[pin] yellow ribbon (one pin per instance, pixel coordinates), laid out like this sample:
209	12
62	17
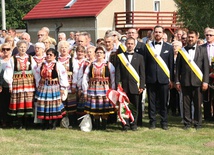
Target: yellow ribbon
130	68
122	47
159	60
191	64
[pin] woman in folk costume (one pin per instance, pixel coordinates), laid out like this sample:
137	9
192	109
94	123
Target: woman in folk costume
51	81
98	78
66	60
19	76
39	57
79	65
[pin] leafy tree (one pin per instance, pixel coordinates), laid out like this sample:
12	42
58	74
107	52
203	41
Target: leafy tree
196	14
15	10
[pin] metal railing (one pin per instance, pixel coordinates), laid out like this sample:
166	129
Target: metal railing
146	20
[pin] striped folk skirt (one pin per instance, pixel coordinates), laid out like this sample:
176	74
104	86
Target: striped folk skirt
22	96
49	103
97	102
70	103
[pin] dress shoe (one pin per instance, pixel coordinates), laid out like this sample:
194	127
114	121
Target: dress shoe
126	128
165	127
197	127
134	128
186	127
152	127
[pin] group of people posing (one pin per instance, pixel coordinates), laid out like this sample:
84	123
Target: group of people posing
74	79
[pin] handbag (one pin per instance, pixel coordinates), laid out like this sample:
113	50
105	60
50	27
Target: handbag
64	122
86	124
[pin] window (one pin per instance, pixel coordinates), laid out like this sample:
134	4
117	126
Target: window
157	6
70	4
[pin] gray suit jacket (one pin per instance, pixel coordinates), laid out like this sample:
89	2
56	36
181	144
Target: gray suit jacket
185	75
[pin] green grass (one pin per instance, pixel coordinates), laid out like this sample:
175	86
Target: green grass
113	141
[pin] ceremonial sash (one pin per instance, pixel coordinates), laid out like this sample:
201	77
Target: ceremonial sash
158	59
129	68
122	48
191	63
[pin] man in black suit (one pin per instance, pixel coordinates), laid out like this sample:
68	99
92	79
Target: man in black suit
132	86
207	95
192	81
139	48
158	78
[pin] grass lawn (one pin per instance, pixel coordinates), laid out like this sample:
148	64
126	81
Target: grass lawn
113	141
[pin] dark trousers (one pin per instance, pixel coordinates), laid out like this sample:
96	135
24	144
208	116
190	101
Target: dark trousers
174	103
4	106
208	104
134	99
158	93
192	94
140	113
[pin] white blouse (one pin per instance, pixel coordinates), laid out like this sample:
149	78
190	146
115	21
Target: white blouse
9	71
62	75
86	76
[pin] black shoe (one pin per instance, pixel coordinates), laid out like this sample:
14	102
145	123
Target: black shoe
197	127
133	127
126	128
186	127
152	127
165	127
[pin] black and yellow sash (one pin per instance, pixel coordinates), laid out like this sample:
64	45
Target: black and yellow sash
191	63
129	68
158	59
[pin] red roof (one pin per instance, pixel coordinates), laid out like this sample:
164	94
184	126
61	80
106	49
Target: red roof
47	9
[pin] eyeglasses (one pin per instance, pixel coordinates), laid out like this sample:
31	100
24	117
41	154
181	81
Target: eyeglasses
209	35
5	49
183	38
49	54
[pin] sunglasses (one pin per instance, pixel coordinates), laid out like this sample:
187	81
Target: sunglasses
209	35
5	49
50	54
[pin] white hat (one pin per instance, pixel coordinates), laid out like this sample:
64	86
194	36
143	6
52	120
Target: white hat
40	44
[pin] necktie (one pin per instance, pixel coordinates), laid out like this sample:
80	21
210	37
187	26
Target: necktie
157	43
191	48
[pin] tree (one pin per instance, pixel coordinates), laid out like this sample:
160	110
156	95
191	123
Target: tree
16	10
196	14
